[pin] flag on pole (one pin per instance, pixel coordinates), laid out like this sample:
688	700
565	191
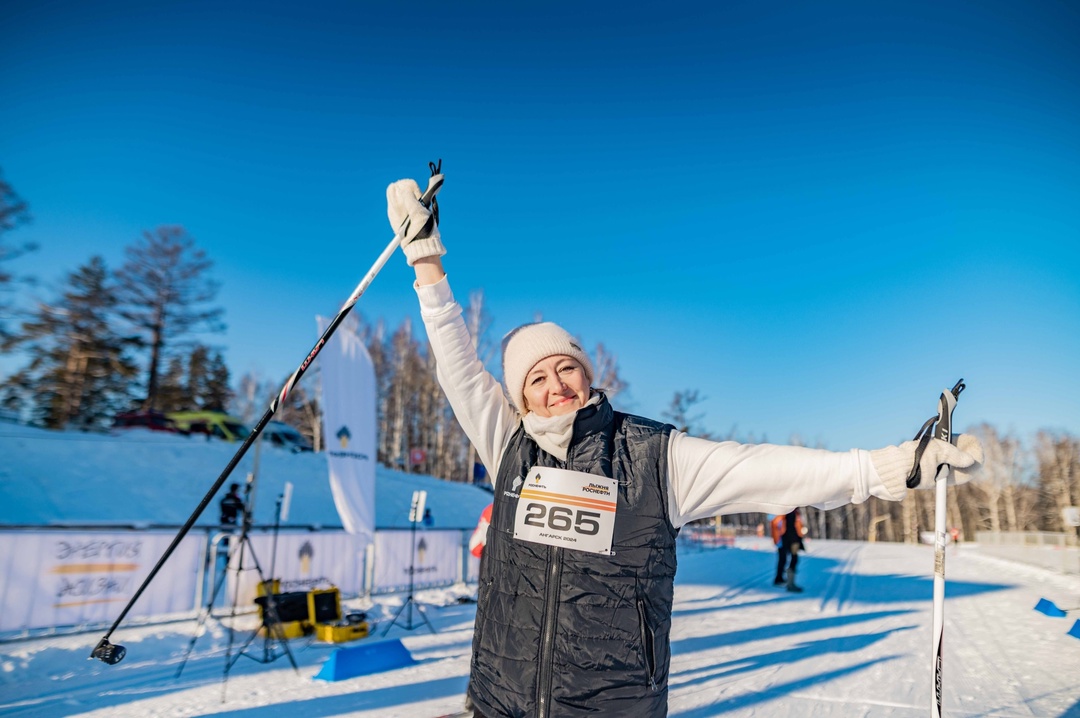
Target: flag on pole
348	403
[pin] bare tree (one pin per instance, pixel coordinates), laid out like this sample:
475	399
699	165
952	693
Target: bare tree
252	397
679	413
990	503
478	321
301	410
607	376
164	292
1059	477
400	401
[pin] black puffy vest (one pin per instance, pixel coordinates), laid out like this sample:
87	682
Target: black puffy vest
562	633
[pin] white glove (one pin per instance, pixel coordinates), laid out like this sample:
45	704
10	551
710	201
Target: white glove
412	221
893	463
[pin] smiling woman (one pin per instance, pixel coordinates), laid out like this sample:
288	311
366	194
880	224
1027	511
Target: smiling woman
580	552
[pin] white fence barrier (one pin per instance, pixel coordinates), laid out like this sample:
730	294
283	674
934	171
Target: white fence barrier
1055	551
52	578
63	578
434	558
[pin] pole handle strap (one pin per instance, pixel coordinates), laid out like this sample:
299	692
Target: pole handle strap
923	435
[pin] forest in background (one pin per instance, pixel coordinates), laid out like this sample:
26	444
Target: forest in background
133	338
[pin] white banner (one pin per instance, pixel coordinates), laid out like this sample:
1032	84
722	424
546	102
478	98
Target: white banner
300	561
348	401
434	560
69	578
472	569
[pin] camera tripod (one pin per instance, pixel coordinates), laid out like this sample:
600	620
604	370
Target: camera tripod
417	502
274	636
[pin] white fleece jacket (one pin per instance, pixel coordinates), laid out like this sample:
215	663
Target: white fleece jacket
705	478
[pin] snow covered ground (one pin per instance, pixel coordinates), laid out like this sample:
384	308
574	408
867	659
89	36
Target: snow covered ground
855	643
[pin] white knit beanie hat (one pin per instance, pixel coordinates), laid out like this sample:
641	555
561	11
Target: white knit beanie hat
523	347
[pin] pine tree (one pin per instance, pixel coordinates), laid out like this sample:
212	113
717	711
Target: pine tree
214	392
13	212
164	292
172	395
197	368
79	371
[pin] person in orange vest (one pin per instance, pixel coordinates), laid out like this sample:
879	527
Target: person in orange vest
787	534
479	535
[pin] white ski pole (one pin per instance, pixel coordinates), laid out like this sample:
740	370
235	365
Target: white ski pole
114	653
943	431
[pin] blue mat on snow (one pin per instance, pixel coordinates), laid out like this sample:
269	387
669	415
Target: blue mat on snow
1049	608
368	658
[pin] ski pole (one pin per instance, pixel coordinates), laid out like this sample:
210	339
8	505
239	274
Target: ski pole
943	431
114	653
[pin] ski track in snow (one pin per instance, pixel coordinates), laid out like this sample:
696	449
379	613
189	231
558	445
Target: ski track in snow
857	642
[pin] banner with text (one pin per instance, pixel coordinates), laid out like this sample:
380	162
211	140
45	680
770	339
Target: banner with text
348	402
71	578
300	561
434	559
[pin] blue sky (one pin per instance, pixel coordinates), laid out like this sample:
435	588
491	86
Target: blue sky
818	215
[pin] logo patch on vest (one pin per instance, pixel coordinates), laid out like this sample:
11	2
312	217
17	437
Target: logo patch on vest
564	508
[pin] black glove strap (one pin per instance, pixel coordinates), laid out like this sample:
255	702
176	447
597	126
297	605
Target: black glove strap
435	169
923	436
432	204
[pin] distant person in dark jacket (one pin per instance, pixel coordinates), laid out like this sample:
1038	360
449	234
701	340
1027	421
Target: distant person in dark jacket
232	505
787	533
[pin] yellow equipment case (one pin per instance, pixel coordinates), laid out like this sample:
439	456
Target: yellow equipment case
317	611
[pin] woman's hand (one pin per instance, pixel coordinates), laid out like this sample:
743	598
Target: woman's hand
894	462
413	222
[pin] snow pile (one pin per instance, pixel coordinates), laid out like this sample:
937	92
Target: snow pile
137	476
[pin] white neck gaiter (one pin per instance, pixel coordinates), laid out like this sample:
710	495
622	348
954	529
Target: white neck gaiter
553	433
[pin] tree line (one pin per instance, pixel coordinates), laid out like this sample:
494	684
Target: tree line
1024	486
124	339
416	428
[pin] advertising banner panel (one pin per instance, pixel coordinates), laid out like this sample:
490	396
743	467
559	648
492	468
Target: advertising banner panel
70	578
300	561
434	559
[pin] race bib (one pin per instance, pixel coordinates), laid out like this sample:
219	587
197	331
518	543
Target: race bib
567	508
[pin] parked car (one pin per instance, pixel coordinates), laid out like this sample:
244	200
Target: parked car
280	434
153	420
210	423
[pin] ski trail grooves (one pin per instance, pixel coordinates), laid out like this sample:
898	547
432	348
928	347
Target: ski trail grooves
841	582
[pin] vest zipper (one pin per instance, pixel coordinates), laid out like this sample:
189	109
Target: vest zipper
551	612
647	645
547	634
